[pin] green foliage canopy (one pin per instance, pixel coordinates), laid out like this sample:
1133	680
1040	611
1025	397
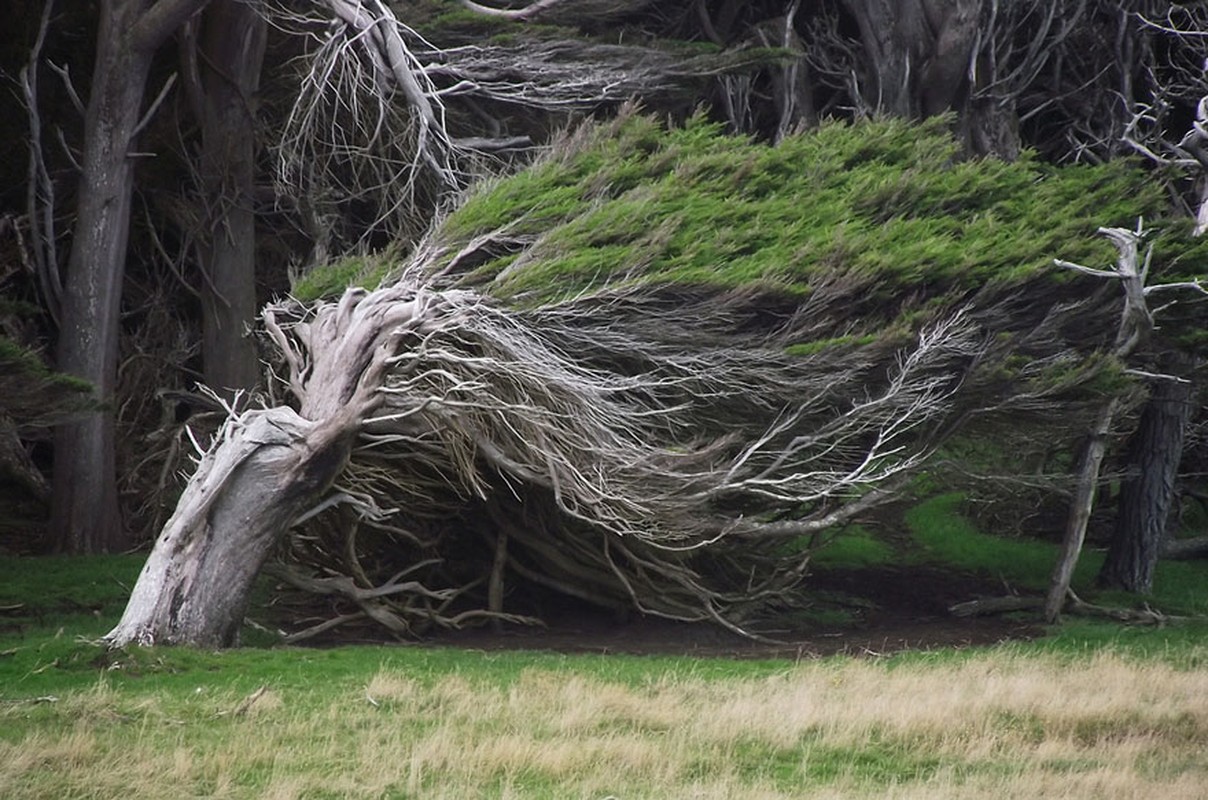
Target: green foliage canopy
885	203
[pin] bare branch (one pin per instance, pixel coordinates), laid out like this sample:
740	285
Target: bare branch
68	84
155	104
531	10
40	193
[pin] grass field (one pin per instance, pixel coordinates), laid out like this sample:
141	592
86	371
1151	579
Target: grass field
1093	710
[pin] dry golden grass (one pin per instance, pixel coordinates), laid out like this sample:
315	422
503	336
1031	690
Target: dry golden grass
998	725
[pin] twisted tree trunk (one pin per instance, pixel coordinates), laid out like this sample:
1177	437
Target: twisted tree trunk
266	469
263	471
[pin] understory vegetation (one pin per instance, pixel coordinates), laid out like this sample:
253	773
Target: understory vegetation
1090	709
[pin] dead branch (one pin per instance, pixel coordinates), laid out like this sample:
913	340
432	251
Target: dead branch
1073	605
40	194
1136	323
1179	549
560	11
529	11
347	136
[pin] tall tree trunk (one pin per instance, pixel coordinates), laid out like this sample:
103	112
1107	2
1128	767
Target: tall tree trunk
85	517
231	46
1146	495
917	53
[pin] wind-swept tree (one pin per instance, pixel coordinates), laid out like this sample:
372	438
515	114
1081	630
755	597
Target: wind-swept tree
656	416
369	52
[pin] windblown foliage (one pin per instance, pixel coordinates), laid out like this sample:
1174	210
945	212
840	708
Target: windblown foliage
652	370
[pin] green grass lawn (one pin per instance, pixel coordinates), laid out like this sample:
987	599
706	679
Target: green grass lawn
1091	710
944	536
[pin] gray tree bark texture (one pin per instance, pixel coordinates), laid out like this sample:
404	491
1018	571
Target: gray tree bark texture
265	468
258	478
231	46
1081	506
1146	496
85	517
918	51
451	401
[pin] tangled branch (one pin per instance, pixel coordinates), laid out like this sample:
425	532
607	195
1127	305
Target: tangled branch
590	453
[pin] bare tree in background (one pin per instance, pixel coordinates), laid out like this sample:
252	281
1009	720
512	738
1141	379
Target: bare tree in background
1136	326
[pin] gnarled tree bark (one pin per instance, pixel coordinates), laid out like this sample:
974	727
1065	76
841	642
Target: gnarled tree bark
265	469
268	467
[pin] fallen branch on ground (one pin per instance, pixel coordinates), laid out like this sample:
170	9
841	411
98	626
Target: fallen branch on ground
1073	605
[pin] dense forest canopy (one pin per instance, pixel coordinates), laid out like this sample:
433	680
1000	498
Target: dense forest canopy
810	195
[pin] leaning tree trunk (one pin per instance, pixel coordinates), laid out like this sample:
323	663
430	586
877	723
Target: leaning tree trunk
1146	496
1136	323
263	471
85	516
1081	506
266	469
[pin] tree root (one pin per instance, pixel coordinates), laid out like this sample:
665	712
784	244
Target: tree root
1181	549
1073	605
